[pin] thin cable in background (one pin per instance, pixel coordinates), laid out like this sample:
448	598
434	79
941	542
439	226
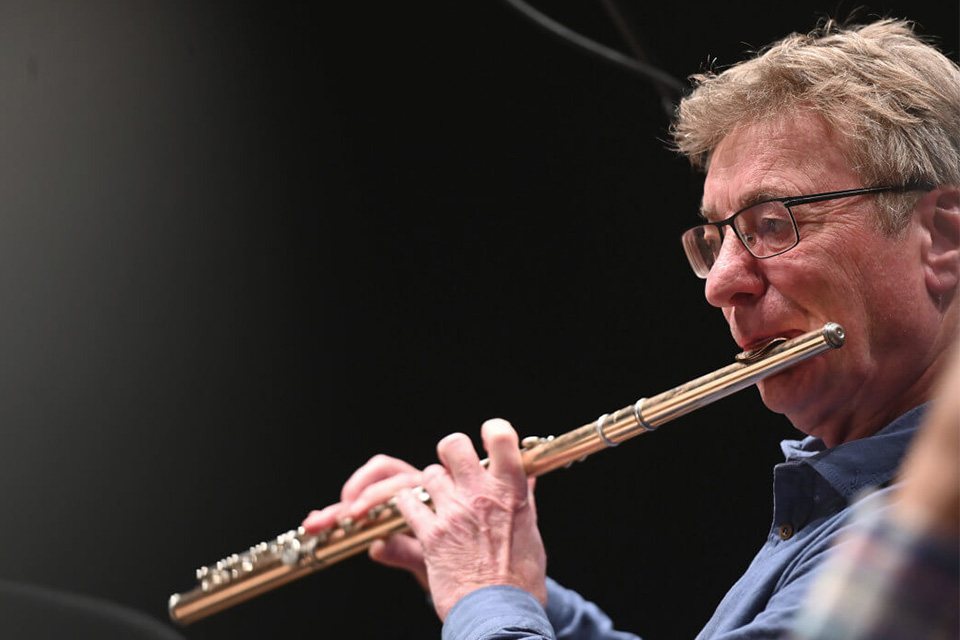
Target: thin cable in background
669	88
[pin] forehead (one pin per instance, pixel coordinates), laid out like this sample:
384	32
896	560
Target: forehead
789	155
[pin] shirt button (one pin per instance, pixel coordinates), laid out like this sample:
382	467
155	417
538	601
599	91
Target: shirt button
786	531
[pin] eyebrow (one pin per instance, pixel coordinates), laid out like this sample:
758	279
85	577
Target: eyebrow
749	199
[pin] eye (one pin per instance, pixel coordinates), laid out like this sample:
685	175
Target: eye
773	226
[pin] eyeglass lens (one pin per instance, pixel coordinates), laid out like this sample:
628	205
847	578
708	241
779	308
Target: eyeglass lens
766	229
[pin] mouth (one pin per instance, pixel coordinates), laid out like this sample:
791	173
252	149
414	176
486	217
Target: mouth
752	355
757	348
759	342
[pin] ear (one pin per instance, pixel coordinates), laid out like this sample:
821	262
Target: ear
939	215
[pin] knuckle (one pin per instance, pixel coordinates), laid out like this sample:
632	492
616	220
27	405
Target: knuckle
433	472
431	536
378	460
486	504
432	475
367	496
500	497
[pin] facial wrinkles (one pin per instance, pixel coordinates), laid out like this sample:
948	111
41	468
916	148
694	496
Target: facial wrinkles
861	272
819	290
759	172
827	229
842	267
775	160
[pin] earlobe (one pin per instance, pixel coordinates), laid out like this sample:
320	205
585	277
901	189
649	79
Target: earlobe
940	217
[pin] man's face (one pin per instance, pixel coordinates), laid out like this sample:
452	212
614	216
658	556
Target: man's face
844	270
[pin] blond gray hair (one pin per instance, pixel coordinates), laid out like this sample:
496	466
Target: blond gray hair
894	98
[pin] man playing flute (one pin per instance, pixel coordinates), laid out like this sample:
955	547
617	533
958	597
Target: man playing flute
832	193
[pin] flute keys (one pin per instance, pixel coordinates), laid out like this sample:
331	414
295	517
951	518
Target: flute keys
288	546
290	553
534	441
307	547
377	511
388	508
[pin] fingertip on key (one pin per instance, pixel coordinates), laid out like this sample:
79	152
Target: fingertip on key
310	523
320	519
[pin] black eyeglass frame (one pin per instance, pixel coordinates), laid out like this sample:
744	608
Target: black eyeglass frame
789	201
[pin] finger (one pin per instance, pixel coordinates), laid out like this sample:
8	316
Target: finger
378	468
402	552
380	492
502	444
325	518
531	487
457	454
439	485
418	515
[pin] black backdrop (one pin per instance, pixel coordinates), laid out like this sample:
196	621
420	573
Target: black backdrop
246	245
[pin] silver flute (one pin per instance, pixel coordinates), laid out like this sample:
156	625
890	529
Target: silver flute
294	554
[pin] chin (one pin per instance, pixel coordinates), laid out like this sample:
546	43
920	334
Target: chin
795	396
772	399
783	393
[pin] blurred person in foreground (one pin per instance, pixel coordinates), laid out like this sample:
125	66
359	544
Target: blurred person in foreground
896	571
832	194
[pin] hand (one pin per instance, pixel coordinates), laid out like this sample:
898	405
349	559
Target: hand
380	479
484	531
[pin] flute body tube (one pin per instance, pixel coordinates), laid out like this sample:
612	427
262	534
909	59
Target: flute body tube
295	553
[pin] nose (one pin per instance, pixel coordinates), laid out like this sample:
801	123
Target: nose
735	277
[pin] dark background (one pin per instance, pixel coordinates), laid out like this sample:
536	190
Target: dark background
246	245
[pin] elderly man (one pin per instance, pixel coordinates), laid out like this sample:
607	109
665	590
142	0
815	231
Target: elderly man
832	194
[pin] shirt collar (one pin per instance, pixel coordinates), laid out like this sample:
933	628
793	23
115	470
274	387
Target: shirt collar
867	462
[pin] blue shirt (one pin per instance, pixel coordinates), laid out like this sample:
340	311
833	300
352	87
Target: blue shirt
892	578
813	491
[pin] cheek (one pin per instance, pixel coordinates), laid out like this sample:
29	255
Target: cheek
815	292
820	277
883	285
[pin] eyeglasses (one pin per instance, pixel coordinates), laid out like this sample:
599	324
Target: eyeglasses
765	229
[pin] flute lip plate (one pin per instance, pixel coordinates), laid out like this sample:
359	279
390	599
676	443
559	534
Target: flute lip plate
746	357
